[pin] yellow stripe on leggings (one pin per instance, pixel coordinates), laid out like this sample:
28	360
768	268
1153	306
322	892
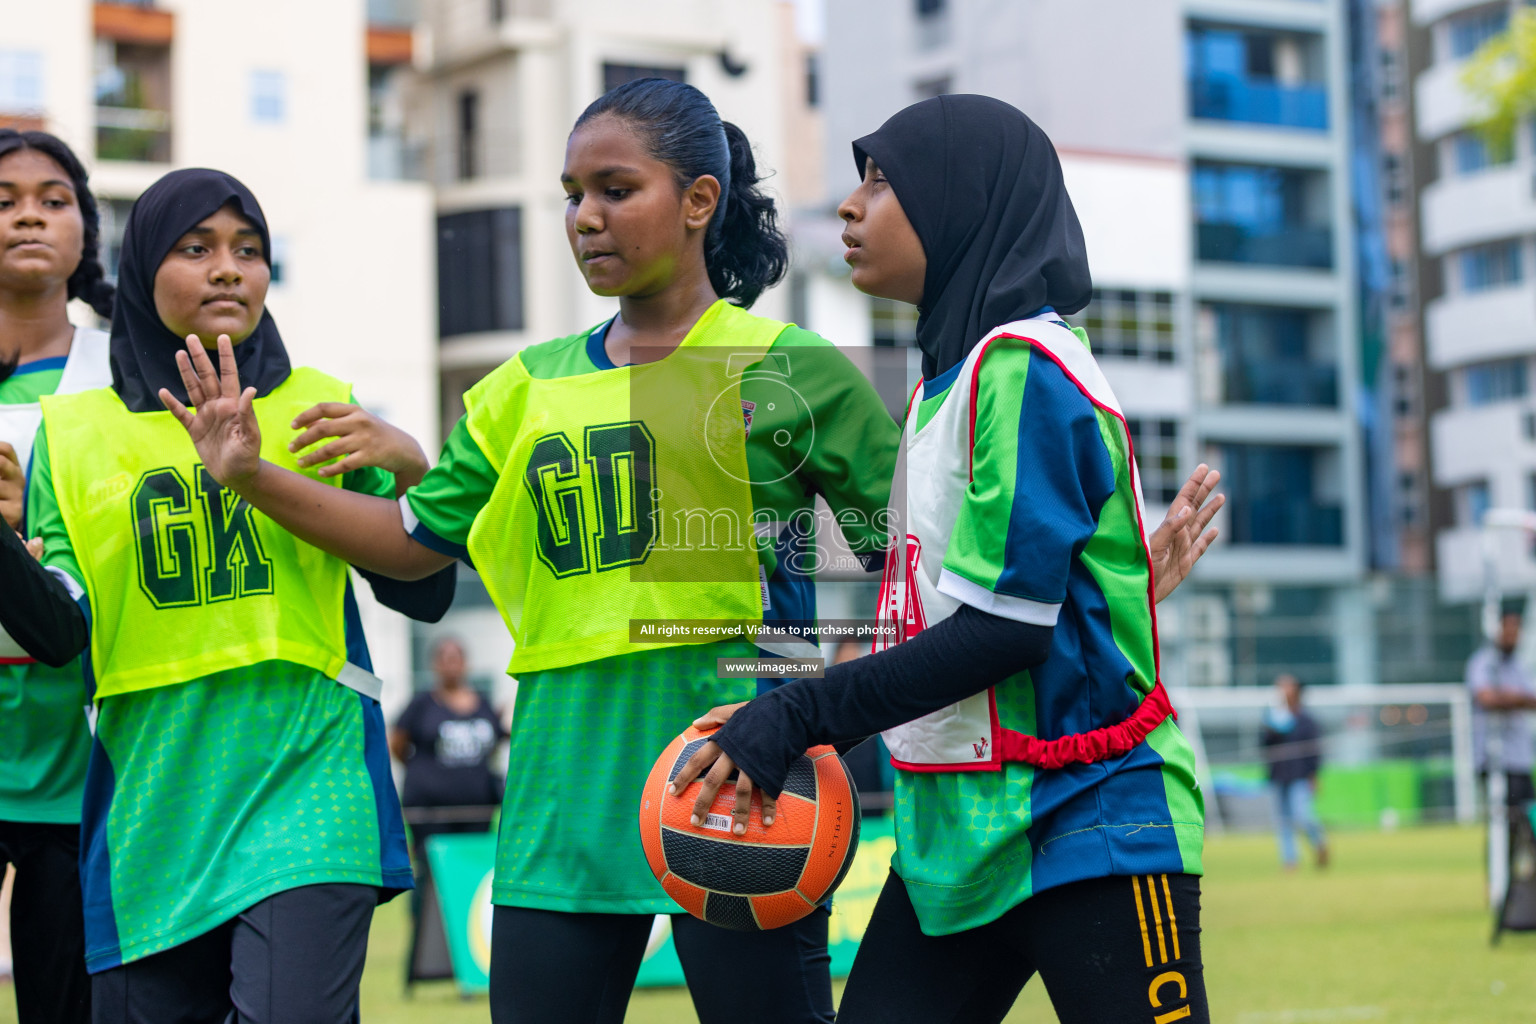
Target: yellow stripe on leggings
1141	915
1157	917
1173	922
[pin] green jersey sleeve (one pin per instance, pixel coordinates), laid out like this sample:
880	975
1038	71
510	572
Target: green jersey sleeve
45	520
441	509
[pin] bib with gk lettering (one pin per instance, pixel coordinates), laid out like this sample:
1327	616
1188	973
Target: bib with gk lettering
185	578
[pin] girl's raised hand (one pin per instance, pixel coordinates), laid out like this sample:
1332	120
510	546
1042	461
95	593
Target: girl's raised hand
1178	543
224	427
361	439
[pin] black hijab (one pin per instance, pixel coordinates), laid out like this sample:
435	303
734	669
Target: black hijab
143	348
981	184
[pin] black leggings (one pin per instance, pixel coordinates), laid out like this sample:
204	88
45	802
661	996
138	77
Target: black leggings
580	968
293	958
1110	949
47	923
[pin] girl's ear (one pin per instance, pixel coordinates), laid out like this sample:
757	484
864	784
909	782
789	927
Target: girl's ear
700	200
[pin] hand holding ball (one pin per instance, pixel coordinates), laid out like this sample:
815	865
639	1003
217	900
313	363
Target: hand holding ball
768	877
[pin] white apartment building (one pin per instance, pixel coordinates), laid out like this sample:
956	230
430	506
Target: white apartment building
1477	219
279	97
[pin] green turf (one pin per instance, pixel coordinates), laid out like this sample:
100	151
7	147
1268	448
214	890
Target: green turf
1393	932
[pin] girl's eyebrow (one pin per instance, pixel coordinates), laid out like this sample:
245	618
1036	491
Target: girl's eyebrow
606	172
50	183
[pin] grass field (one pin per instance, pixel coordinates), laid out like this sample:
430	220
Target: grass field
1394	932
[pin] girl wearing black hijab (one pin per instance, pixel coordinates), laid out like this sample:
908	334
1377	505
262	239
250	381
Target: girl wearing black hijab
240	822
1047	814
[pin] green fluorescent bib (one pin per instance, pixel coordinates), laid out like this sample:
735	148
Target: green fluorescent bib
184	578
623	495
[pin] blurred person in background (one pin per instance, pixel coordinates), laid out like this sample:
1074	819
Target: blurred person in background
1501	691
1291	747
446	738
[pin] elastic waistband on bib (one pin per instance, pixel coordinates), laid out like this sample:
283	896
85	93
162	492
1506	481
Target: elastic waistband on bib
1088	747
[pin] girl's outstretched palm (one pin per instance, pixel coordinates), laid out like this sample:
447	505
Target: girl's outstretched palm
224	426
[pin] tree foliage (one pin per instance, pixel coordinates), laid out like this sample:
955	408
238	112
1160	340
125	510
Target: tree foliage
1501	76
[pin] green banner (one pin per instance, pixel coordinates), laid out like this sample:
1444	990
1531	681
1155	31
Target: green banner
462	867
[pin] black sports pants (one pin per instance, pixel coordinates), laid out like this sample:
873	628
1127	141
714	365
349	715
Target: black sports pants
1125	950
580	968
294	958
47	923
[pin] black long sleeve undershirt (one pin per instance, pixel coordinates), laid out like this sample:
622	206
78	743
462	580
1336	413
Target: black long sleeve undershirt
425	600
962	655
36	608
39	613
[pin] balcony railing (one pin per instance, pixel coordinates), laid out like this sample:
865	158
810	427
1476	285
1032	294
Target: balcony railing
1279	247
1227	98
1280	382
133	133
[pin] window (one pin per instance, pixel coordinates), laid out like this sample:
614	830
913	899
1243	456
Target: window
894	323
1495	382
1401	295
615	75
480	271
1156	443
1391	71
1472	503
1471	152
469	134
1494	265
1252	213
929	8
498	11
1256	76
1266	355
21	82
114	218
1404	392
269	97
1283	494
1129	324
277	259
133	101
812	79
1467	32
1393	179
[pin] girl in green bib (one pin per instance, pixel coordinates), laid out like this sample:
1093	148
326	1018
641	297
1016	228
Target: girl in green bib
240	822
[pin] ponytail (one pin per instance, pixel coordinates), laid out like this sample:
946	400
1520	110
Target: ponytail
745	250
89	281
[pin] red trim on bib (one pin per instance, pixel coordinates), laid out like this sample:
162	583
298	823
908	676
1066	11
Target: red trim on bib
1088	747
18	661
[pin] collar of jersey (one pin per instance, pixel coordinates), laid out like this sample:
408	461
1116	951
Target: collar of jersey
41	365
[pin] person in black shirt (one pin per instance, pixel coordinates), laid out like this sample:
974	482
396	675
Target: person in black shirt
446	738
1291	747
